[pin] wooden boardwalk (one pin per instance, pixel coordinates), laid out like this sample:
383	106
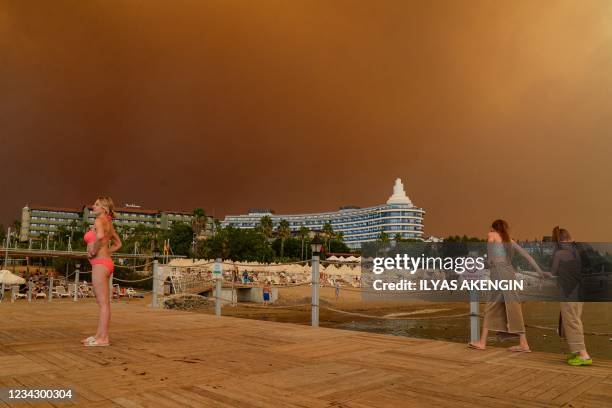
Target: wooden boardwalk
162	358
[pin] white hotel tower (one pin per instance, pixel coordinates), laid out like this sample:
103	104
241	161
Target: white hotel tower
358	225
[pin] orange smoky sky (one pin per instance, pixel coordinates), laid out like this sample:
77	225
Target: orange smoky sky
485	109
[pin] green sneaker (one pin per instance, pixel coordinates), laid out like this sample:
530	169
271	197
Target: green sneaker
570	355
577	361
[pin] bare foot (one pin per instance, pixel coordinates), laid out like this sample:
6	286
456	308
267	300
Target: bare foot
476	346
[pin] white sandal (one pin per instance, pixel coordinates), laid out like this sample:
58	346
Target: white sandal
94	343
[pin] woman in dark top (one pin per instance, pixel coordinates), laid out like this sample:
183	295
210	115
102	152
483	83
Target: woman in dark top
566	266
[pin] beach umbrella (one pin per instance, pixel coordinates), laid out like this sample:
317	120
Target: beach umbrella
9	278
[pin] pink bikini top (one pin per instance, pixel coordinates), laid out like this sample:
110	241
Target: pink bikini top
90	236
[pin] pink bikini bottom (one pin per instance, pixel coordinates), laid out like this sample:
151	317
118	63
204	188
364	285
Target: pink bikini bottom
108	262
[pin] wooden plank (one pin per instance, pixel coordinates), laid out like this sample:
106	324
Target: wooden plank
177	358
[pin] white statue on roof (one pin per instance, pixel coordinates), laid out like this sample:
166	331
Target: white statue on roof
399	195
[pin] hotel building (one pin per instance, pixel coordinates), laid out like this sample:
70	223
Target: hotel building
40	220
358	225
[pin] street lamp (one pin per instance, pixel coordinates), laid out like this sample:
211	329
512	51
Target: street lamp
315	245
193	248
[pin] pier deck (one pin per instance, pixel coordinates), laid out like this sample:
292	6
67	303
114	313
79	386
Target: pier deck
163	358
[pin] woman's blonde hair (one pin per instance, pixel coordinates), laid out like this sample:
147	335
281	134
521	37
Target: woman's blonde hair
108	204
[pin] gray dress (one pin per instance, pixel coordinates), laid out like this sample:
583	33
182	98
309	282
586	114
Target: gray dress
503	312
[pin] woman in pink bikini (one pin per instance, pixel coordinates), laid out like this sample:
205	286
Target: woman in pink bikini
99	252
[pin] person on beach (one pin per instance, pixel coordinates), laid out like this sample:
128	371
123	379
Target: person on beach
102	240
567	267
503	313
266	293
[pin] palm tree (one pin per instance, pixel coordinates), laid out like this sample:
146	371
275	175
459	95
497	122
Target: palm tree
328	231
383	237
216	226
198	222
398	237
266	226
336	237
284	232
303	233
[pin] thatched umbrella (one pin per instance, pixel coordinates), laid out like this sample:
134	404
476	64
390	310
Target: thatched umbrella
9	278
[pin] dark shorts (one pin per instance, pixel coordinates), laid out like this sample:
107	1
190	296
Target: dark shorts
266	296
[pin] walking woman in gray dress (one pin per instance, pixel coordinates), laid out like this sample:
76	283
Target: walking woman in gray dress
504	313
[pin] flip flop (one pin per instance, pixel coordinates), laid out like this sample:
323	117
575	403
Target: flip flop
89	339
95	343
518	349
474	347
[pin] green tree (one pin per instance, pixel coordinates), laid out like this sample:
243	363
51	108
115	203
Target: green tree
284	232
398	237
303	232
181	237
328	232
216	226
238	245
62	235
383	237
337	245
198	222
266	226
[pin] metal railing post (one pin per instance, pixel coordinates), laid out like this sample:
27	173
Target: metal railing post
76	284
30	283
218	274
50	288
14	291
6	248
315	291
474	322
218	283
155	284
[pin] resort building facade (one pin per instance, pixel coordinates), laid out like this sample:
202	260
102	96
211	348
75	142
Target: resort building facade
358	225
44	220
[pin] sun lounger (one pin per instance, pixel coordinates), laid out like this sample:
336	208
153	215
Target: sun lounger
60	292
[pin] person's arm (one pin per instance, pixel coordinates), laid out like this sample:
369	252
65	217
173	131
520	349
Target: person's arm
529	259
116	240
99	236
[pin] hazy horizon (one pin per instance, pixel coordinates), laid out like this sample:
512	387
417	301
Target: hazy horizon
484	109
